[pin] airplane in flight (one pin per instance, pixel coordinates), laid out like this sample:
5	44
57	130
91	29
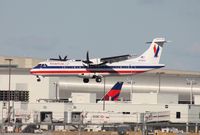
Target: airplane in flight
100	67
113	93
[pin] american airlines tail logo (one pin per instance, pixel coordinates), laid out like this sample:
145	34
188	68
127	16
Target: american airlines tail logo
156	50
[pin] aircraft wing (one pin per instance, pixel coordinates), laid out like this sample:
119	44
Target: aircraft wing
115	58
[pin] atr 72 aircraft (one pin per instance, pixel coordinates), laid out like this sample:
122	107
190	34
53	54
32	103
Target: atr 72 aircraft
99	67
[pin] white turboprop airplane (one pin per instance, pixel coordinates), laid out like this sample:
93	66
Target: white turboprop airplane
100	67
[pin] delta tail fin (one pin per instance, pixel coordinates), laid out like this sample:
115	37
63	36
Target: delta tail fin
153	53
114	93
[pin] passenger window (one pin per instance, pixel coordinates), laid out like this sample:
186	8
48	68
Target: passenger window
178	115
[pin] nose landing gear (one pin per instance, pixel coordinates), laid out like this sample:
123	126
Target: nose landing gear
38	78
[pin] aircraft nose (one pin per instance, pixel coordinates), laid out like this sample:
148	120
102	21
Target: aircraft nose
32	71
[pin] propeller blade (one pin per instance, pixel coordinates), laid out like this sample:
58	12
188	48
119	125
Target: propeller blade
87	61
65	58
87	57
60	58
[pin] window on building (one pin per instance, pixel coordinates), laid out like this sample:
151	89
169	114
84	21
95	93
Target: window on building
126	112
178	115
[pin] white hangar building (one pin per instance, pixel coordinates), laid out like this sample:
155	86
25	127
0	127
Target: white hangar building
156	81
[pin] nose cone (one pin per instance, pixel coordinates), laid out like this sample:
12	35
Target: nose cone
32	71
35	69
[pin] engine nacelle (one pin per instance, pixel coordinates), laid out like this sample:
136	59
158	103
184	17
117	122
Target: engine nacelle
96	61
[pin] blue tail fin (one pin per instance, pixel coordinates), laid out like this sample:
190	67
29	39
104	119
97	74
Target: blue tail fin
113	94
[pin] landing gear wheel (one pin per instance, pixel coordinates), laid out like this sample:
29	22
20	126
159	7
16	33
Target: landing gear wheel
38	78
85	80
98	79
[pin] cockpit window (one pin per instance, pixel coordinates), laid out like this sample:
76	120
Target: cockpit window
41	65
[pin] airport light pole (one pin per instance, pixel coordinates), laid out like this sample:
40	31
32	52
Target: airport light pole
144	124
191	82
104	92
9	85
159	80
56	90
131	82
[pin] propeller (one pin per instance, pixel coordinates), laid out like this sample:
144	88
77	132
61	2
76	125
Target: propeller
87	61
60	58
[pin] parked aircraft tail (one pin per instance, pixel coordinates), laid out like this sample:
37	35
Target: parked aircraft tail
114	93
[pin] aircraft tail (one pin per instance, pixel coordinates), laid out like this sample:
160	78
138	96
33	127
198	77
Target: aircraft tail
153	53
114	93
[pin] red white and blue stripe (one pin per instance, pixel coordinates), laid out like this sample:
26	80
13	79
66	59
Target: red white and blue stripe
104	70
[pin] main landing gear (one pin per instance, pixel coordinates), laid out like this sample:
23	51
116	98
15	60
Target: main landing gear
86	80
97	78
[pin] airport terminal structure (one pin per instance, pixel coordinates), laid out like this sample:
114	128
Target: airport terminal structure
158	96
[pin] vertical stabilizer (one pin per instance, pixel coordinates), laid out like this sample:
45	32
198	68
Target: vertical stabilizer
114	93
153	53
